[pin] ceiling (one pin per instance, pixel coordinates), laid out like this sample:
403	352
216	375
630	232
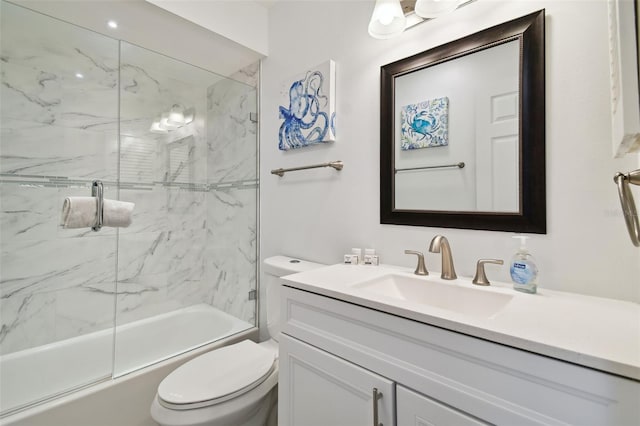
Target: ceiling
151	27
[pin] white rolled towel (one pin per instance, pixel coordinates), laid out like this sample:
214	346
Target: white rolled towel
117	213
80	212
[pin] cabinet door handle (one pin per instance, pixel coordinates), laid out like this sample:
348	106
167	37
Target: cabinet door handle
376	396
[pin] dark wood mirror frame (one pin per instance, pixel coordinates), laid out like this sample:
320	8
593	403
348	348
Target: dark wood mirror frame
531	218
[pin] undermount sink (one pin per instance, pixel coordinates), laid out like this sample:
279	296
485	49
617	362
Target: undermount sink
449	296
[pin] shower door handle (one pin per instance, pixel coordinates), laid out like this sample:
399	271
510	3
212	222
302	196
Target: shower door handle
628	205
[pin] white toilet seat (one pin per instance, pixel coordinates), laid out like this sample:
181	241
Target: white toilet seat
223	414
217	376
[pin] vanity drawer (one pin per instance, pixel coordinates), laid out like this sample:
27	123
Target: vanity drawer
493	382
419	410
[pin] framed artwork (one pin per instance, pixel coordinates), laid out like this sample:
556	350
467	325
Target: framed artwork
425	124
307	108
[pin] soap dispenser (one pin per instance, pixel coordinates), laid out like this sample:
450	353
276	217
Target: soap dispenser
524	272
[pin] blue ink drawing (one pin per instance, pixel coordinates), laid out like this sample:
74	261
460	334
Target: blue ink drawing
425	124
310	116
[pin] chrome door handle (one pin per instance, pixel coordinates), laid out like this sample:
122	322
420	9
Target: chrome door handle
376	396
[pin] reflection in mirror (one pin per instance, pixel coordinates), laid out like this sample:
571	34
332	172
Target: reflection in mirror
462	132
481	129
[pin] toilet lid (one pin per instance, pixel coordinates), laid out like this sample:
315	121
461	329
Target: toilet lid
217	375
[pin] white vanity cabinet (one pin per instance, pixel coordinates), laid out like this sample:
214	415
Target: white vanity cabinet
418	410
323	390
333	353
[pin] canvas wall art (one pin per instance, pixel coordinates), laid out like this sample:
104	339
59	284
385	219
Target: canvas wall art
425	124
307	108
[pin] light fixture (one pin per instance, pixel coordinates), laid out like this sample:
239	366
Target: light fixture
387	20
176	116
164	122
189	115
391	17
156	128
79	75
112	24
430	9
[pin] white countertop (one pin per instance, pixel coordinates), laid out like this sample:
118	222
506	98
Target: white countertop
591	331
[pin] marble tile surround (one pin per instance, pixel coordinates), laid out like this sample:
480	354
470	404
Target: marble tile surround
231	136
231	250
232	253
44	269
187	244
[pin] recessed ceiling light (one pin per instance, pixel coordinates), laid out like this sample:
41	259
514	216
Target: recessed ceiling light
79	75
112	24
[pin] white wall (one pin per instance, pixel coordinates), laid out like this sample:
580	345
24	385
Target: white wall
319	215
244	22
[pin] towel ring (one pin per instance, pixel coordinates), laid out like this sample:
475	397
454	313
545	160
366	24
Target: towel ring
97	191
628	205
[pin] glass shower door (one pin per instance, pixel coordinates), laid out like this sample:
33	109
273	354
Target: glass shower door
78	306
184	277
59	121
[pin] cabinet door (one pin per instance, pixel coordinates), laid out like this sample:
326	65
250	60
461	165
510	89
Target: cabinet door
317	388
418	410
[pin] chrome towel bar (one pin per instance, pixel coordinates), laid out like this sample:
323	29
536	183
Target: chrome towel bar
459	165
338	165
629	211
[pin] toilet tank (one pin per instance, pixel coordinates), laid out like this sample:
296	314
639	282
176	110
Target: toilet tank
275	268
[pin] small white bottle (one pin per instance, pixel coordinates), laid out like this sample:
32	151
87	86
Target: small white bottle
370	257
357	252
524	272
350	259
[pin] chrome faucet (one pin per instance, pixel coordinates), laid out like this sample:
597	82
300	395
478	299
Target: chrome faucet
441	244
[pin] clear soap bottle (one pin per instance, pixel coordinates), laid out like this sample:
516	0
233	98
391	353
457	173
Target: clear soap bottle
524	272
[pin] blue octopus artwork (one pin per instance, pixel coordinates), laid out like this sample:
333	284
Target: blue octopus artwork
310	117
425	124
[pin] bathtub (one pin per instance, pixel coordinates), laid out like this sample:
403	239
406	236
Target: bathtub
41	373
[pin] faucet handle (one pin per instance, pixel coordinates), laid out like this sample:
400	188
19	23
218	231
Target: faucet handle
481	276
421	269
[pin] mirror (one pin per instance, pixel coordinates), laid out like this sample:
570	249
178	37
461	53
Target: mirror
462	132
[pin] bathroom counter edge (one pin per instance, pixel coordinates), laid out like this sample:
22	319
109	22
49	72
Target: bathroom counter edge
598	333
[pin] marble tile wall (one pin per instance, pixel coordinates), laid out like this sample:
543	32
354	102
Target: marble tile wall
58	109
232	253
231	134
161	258
190	241
232	250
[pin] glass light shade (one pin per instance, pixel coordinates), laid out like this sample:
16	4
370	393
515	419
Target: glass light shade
429	9
176	116
189	115
155	127
387	20
164	122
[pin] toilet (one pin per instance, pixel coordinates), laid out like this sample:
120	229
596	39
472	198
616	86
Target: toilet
235	384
